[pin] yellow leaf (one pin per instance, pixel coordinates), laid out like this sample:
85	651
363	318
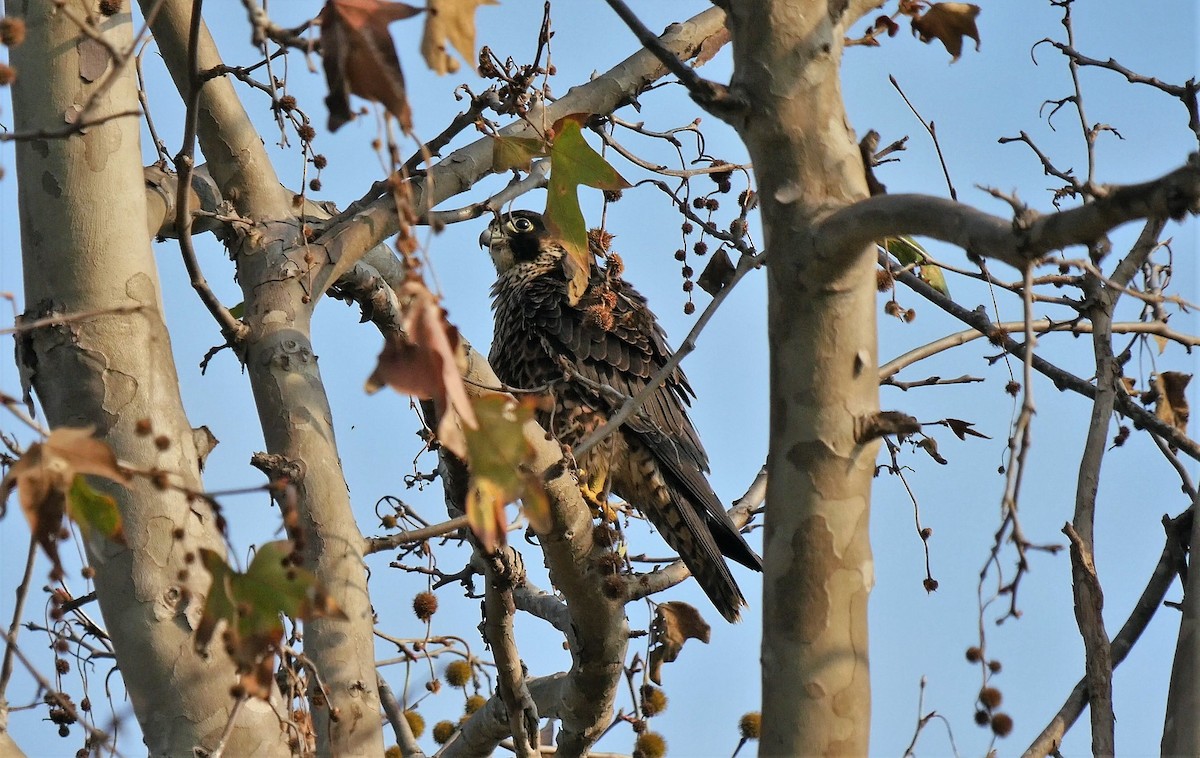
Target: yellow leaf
453	22
515	152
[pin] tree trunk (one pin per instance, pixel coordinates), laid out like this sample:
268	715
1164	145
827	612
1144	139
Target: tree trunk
86	251
1181	730
821	321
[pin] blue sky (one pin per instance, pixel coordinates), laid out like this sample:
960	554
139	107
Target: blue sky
992	93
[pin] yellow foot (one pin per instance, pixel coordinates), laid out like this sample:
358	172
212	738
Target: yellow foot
595	494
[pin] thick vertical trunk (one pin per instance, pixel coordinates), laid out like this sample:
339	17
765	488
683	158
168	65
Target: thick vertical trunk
277	270
821	316
85	251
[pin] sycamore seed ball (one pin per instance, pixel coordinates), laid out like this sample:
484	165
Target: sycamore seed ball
654	700
443	731
650	745
416	722
458	673
425	604
474	703
750	725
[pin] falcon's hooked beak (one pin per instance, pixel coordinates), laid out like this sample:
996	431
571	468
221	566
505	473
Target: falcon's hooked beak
489	235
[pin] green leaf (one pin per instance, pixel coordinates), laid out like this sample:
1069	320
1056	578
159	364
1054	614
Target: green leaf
94	511
239	310
499	456
573	162
909	252
252	605
516	152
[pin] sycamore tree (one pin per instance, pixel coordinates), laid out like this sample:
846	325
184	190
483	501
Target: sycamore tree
183	199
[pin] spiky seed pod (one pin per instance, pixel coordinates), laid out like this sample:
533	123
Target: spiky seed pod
474	703
425	604
12	31
990	697
416	722
650	745
654	700
750	725
1002	724
974	654
443	731
458	673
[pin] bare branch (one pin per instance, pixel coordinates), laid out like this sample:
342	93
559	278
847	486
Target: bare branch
712	97
1151	599
375	221
1172	196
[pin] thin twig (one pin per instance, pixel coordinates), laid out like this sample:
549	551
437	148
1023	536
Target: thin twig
231	328
929	127
714	98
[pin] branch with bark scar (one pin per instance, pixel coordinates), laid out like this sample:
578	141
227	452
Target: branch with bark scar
1040	327
379	544
1173	195
712	97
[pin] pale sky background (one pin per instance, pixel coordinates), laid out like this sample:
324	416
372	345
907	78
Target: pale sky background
992	93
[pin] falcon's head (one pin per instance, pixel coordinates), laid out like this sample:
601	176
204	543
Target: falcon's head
519	237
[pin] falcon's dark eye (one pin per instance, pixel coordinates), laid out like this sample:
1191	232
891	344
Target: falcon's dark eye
521	225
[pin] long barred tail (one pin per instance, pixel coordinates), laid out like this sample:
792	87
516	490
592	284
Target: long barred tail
687	533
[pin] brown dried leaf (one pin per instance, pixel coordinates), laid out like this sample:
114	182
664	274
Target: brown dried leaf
450	21
427	361
717	273
929	445
44	475
948	23
360	58
674	624
1172	399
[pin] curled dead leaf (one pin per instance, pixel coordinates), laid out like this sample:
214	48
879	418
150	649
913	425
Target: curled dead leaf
44	478
427	360
674	623
948	23
360	58
453	22
1171	398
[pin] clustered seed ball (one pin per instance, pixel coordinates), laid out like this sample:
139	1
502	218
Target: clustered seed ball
474	703
443	731
750	725
458	673
416	722
654	700
425	604
650	745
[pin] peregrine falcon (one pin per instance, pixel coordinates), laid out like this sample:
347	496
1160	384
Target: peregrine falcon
590	356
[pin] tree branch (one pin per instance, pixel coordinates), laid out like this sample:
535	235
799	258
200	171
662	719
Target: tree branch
712	97
1171	196
376	221
1063	380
